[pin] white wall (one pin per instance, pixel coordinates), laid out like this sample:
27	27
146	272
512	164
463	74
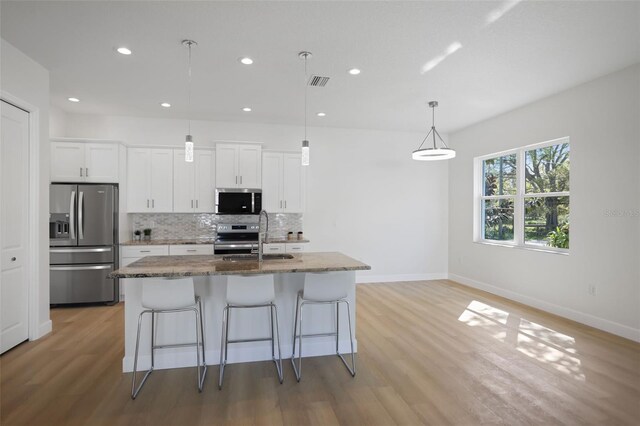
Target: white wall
602	118
380	207
57	122
28	81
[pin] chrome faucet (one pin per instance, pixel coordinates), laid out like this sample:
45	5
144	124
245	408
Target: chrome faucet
266	232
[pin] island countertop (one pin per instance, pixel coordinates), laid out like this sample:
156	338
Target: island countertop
202	265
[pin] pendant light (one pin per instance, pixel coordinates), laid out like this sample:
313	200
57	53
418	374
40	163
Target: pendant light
305	143
433	153
188	141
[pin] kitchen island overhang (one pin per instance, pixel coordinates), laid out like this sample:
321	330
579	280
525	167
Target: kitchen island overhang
210	277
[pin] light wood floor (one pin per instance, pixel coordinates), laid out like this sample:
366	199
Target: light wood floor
430	352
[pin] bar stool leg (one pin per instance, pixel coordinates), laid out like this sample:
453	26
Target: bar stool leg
274	309
199	319
352	369
223	344
297	369
134	390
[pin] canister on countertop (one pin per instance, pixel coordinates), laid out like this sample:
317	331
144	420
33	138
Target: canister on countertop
300	235
290	236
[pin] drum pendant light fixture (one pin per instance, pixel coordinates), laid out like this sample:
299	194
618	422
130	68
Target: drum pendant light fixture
433	153
305	143
188	141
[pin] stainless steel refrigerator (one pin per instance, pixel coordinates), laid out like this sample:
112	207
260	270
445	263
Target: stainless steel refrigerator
83	240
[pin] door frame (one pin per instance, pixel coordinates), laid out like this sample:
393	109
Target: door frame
35	329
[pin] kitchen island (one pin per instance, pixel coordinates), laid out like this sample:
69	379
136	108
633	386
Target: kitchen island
210	278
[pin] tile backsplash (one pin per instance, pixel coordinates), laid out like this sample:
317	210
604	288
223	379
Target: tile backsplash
204	225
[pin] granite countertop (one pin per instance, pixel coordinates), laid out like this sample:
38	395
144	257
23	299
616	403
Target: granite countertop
181	241
202	265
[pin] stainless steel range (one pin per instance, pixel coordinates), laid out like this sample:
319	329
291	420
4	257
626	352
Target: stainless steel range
237	238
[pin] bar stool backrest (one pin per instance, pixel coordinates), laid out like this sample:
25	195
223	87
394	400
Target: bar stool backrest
167	293
250	289
325	286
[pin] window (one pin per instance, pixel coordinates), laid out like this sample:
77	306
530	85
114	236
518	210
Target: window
523	196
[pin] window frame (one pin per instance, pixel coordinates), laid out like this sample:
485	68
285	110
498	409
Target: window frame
518	198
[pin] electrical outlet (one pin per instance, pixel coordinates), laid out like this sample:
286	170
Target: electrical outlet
592	289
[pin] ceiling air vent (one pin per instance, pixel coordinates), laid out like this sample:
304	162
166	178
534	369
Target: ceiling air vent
318	81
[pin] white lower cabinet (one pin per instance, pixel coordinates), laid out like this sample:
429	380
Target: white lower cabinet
274	248
188	249
295	248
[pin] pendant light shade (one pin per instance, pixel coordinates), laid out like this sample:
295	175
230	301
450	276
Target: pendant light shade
433	153
188	140
305	143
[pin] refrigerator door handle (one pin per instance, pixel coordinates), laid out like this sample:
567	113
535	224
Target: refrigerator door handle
72	215
79	268
80	218
76	250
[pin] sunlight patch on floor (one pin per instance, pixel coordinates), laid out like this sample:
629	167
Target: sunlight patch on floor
529	338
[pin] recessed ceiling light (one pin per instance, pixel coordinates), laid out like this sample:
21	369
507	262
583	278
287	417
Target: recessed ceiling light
165	105
354	71
246	109
124	51
74	99
246	60
321	114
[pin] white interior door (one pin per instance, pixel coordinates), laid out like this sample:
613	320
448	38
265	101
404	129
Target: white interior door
14	192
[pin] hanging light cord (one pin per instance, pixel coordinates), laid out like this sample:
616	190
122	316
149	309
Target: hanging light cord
189	91
434	131
305	97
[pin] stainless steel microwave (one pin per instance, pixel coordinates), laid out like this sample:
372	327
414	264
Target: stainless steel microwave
238	201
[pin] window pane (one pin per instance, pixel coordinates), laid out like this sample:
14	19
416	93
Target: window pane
547	169
499	175
546	221
498	219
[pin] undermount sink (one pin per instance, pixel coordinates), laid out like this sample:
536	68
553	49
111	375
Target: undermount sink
254	257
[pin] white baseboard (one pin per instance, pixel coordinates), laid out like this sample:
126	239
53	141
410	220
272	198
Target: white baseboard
581	317
186	357
363	279
45	328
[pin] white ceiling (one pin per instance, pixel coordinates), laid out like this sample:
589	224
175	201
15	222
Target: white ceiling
528	51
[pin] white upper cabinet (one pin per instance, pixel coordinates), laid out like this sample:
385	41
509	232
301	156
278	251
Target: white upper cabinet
272	182
293	183
238	166
149	180
205	185
194	182
183	183
84	162
101	162
283	183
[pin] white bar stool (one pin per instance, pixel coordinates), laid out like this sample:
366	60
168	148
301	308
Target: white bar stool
166	296
322	288
250	291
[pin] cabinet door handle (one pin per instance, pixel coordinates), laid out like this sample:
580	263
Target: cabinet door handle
192	250
145	251
285	204
153	203
147	203
280	203
236	180
86	172
240	180
13	259
80	171
196	204
191	203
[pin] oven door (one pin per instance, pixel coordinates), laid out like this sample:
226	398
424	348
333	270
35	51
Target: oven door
238	201
236	248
